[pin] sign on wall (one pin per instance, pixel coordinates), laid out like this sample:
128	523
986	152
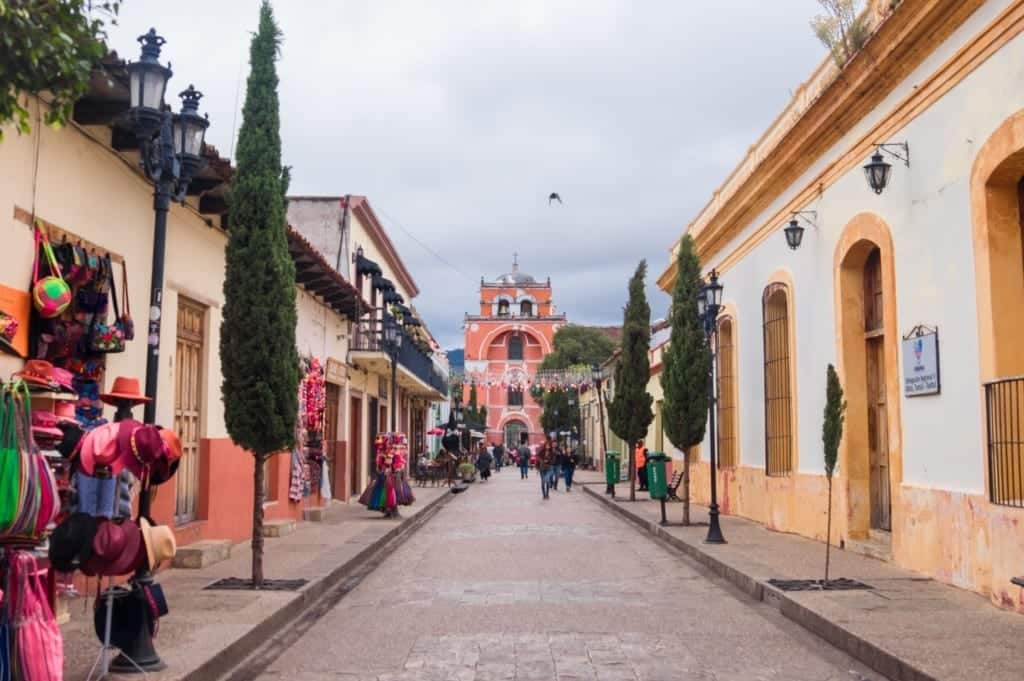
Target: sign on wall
335	372
921	362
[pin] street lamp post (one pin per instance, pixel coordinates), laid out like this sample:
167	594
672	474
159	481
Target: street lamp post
597	374
170	146
709	304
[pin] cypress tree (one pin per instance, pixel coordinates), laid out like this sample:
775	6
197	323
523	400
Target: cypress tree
686	366
630	410
831	435
259	360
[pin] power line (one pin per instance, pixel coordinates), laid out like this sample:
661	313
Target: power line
422	245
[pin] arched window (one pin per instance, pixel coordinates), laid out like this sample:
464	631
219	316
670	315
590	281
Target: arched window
526	308
515	397
515	347
503	308
778	389
728	435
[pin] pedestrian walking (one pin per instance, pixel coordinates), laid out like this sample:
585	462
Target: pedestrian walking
569	469
499	457
546	466
524	459
562	462
557	467
640	459
483	463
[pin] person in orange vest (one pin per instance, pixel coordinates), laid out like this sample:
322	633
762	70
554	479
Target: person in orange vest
640	458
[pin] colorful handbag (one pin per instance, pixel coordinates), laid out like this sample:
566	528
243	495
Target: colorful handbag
127	325
108	338
36	640
10	461
51	294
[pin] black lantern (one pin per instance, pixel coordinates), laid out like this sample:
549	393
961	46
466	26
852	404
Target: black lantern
596	374
879	170
392	333
702	303
189	131
794	234
148	83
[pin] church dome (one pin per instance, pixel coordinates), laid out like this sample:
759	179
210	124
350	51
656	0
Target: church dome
515	276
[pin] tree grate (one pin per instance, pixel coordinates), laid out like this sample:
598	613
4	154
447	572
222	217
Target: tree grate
841	584
240	584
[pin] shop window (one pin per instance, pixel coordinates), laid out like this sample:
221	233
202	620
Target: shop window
515	397
727	415
526	308
515	347
778	416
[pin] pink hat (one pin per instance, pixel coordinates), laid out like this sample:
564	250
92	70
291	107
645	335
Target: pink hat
139	446
45	423
99	448
63	378
65	411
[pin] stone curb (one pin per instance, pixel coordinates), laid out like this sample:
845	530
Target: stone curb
854	645
221	664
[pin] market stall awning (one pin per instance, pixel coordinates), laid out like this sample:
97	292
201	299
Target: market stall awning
316	275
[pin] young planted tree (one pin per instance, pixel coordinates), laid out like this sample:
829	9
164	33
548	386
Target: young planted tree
844	29
686	366
831	435
629	410
259	359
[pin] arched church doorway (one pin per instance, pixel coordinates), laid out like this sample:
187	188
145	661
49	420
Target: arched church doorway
513	431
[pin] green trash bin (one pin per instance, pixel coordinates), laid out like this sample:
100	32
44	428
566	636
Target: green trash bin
611	467
656	482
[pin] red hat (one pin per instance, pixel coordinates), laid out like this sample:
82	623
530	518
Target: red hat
164	468
45	423
138	446
65	411
116	549
63	378
99	448
124	388
38	372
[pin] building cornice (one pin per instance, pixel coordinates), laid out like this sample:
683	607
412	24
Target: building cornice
835	103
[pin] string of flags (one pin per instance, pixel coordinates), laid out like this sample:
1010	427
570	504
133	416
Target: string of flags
543	381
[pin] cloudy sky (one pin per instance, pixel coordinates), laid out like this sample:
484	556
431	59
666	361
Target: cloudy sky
457	118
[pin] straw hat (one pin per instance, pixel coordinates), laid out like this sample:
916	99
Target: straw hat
159	541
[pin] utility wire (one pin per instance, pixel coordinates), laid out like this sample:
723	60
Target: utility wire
422	245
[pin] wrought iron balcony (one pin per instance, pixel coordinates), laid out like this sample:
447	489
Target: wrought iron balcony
369	337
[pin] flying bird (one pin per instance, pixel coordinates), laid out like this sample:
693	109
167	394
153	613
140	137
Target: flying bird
554	197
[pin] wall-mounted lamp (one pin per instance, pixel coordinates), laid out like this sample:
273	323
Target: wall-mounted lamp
878	170
795	231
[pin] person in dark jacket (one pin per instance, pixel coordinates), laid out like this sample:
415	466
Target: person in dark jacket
483	463
546	466
499	457
569	468
562	463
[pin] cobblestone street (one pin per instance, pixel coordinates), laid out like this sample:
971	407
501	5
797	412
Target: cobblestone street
502	585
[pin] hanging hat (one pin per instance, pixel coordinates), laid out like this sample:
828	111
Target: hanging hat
99	448
71	542
116	549
138	446
159	541
71	438
164	468
124	388
63	378
38	372
65	412
173	442
8	330
44	423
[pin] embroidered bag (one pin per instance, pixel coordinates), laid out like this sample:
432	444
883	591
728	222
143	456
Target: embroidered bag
51	294
10	461
37	642
105	337
127	325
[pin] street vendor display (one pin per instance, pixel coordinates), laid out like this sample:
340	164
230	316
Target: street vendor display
389	488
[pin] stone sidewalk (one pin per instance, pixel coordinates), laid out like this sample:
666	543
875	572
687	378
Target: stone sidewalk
207	632
908	627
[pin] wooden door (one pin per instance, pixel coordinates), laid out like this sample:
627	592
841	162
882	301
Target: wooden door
371	459
355	437
188	378
878	418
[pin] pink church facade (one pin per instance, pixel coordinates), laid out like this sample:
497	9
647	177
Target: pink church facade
505	342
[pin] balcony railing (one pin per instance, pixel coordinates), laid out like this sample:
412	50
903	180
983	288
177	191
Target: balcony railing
369	337
1004	406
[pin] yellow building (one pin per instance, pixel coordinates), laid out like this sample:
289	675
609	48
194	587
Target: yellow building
919	271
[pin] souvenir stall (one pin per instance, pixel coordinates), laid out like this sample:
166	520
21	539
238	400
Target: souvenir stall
389	487
309	471
68	477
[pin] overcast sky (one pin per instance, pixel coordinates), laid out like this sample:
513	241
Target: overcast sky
457	118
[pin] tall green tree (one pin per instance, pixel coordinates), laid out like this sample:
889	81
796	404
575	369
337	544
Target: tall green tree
629	410
578	345
831	436
686	366
51	46
259	359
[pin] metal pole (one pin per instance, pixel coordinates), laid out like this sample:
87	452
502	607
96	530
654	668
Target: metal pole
714	529
604	437
394	387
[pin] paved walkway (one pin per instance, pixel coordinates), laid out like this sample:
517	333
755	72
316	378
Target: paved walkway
907	625
502	585
206	631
